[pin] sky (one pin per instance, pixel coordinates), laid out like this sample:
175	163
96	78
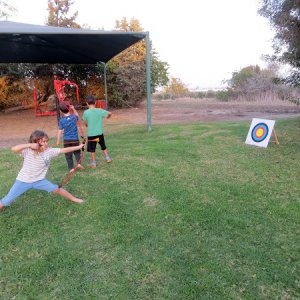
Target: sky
203	41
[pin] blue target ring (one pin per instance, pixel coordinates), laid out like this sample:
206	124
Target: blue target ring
259	132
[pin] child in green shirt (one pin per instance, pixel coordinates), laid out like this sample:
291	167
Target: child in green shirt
93	119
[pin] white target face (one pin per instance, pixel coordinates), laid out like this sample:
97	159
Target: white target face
260	132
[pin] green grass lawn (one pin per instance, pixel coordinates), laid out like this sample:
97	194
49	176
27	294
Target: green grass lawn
183	212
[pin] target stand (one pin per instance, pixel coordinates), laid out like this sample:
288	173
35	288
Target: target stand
260	132
276	141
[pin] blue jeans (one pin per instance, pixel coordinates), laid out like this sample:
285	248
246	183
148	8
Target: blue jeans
20	188
69	156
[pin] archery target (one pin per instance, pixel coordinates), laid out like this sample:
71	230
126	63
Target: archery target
260	132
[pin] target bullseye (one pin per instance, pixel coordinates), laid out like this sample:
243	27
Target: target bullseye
259	132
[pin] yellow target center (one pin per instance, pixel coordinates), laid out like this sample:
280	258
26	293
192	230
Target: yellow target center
259	132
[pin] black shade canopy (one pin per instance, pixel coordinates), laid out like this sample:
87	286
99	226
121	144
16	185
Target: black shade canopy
26	43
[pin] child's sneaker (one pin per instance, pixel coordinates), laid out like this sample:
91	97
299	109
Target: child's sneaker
92	165
108	159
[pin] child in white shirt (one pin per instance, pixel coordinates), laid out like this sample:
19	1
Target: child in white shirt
37	157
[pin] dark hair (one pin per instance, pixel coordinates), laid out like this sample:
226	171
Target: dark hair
90	100
63	107
37	135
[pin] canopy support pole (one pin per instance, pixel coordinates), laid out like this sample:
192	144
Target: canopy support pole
148	83
105	85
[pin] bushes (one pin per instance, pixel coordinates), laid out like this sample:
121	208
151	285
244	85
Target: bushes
222	95
13	93
127	84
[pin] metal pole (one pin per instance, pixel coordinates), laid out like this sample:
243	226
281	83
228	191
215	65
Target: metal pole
148	83
105	86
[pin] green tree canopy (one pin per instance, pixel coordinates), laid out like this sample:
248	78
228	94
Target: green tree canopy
127	71
240	78
284	16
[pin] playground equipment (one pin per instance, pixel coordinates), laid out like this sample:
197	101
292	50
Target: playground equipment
61	95
37	106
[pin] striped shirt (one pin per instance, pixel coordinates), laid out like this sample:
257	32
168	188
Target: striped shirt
36	165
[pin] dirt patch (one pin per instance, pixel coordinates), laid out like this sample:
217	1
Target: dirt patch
17	126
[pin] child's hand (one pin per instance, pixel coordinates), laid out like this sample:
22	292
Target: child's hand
34	146
82	145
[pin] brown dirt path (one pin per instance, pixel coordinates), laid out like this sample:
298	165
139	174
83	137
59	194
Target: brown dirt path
15	127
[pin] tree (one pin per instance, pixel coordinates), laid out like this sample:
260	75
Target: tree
240	78
59	14
127	71
159	72
284	16
176	88
136	52
6	10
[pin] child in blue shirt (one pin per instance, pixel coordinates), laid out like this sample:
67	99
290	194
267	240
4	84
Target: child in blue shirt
68	127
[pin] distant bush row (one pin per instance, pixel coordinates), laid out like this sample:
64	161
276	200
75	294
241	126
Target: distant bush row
222	95
251	83
281	93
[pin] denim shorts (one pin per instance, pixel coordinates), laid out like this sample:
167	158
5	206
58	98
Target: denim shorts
20	187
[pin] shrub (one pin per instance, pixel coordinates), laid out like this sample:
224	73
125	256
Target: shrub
210	94
14	93
197	95
223	95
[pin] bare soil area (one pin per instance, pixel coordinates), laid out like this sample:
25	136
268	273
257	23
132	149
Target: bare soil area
15	127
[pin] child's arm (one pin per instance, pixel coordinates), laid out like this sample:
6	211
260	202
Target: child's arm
78	120
74	111
81	132
19	148
109	115
70	149
59	133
